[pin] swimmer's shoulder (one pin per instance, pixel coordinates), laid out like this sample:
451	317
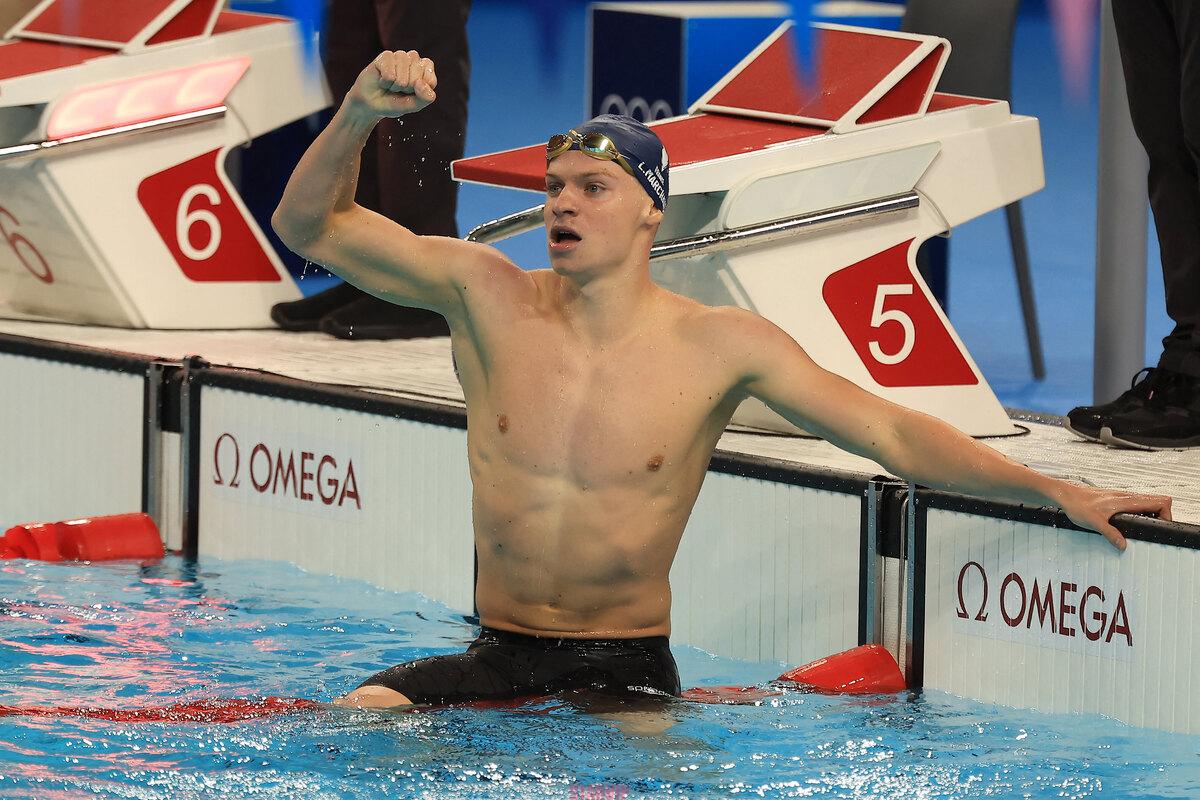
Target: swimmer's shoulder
735	339
494	276
719	327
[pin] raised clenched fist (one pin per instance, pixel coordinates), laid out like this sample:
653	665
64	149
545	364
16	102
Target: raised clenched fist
395	83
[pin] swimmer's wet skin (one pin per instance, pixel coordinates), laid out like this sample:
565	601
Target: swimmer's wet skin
595	398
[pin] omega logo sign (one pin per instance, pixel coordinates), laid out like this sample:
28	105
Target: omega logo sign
1048	606
269	470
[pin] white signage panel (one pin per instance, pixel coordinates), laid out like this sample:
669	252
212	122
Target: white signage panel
340	492
1058	620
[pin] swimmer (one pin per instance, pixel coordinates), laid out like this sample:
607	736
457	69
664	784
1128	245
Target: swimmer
595	399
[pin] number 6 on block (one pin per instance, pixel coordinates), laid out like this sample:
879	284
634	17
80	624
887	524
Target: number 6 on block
202	225
18	243
186	218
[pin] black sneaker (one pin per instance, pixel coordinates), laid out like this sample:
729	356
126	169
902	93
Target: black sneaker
1169	417
305	314
372	318
1086	421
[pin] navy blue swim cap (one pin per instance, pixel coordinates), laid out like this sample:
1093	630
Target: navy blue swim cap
641	147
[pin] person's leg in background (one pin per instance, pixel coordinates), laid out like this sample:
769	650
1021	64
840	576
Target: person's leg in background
414	154
1180	238
405	164
1159	57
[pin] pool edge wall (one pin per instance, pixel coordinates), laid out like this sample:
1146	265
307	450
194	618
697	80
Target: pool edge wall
1020	607
76	435
336	481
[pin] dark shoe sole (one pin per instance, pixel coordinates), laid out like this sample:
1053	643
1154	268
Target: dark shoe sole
384	332
1147	442
1091	437
295	326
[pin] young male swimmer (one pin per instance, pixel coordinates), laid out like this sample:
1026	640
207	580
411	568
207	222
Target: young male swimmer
594	401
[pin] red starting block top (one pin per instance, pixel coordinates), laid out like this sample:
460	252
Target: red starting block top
689	140
20	57
860	77
119	24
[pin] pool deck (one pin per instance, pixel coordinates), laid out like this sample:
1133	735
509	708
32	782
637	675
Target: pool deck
420	369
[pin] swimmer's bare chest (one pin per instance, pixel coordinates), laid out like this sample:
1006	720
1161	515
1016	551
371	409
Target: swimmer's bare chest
585	461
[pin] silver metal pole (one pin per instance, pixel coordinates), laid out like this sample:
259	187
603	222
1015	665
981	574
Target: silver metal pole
506	226
728	239
764	232
72	144
1121	204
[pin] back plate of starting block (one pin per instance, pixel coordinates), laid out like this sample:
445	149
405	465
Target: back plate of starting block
862	77
124	25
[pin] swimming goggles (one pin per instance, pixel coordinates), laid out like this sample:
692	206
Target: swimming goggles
596	145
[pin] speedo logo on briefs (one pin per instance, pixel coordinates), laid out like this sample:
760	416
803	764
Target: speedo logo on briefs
1053	610
272	471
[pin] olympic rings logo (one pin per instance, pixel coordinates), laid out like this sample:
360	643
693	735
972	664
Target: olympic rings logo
638	108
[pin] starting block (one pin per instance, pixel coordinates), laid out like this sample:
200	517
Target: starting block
115	122
806	202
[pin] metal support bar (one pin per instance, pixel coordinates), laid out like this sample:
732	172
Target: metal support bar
73	144
151	441
189	454
1033	336
505	227
718	241
764	232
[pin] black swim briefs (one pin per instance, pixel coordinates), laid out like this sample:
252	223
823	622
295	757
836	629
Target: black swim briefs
502	665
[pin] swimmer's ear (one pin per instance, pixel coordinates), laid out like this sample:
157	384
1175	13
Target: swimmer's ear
654	215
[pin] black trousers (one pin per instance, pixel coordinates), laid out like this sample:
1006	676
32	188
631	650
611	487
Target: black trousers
405	168
1160	54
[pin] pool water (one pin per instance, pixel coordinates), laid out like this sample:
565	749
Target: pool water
123	635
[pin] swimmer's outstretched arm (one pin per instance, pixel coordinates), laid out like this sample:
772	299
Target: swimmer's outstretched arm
318	218
771	366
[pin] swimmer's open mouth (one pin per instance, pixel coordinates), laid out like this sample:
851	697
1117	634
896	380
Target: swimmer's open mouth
561	233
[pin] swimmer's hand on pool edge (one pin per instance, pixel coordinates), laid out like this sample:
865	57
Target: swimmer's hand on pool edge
394	84
1095	508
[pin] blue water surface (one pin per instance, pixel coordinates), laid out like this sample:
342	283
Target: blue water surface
124	636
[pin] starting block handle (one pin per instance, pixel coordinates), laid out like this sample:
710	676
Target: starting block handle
717	241
73	144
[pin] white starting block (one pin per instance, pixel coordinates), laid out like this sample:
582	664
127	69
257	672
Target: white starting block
808	206
115	120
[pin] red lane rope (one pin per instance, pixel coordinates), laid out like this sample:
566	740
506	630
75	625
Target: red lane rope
868	669
213	710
